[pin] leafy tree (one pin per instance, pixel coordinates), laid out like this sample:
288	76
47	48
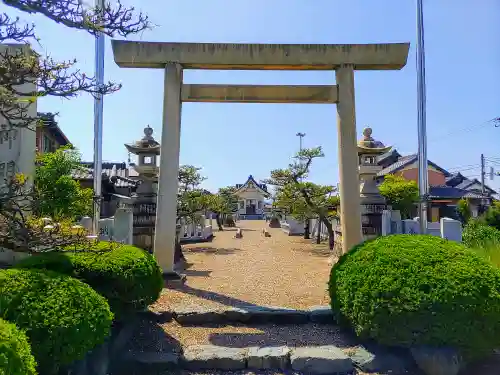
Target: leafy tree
26	75
224	203
303	199
57	194
400	193
463	209
492	216
47	76
191	200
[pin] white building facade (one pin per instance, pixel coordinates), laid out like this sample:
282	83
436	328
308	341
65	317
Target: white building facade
18	144
251	199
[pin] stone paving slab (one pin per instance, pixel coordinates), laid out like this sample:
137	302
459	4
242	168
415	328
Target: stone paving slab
199	315
268	358
321	360
205	357
317	360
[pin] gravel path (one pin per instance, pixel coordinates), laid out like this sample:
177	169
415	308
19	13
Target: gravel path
273	271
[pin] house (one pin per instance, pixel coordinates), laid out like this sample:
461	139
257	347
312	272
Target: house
445	188
118	180
17	144
251	199
49	136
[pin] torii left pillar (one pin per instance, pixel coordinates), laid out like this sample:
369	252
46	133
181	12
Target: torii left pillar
168	182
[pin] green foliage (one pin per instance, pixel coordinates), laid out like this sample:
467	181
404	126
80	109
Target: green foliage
300	198
57	194
477	234
407	290
463	209
484	240
15	351
225	201
400	193
303	199
492	216
191	200
128	277
62	317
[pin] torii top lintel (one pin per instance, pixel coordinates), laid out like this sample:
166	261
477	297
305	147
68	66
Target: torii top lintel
222	56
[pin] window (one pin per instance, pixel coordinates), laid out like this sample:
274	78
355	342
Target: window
148	160
370	160
48	144
242	204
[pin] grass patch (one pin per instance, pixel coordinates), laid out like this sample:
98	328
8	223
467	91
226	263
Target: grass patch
490	251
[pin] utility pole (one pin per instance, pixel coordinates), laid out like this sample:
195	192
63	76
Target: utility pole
483	173
423	185
307	234
98	123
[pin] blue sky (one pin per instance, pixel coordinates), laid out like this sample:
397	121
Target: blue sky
231	141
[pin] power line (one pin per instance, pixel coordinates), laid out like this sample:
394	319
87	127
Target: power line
495	121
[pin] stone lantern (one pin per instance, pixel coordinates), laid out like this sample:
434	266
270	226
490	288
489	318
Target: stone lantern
147	150
143	200
372	203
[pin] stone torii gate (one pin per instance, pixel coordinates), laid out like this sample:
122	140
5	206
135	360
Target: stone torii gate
174	57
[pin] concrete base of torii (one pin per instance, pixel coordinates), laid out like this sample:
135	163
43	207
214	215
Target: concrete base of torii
174	57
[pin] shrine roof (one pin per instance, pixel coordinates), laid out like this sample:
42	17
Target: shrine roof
262	188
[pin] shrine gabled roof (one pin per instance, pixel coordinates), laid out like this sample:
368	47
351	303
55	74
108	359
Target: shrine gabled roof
262	188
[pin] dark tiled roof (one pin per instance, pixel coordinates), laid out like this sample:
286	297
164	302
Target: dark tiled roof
388	155
473	194
401	163
51	126
466	184
87	173
407	160
445	192
449	192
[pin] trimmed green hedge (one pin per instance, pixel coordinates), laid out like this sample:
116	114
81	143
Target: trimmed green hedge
15	351
127	276
406	290
62	317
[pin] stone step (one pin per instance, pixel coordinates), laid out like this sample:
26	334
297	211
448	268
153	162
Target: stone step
308	360
201	315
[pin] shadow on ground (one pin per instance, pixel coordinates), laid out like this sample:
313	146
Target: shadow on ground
210	250
213	296
197	273
286	335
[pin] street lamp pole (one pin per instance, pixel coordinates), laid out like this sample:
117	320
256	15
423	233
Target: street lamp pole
98	124
423	185
307	222
300	135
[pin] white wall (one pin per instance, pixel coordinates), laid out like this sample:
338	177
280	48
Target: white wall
18	145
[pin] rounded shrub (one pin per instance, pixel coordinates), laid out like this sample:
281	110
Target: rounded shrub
15	351
62	317
128	277
411	290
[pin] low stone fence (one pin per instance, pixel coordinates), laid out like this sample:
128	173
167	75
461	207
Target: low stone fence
446	228
292	227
